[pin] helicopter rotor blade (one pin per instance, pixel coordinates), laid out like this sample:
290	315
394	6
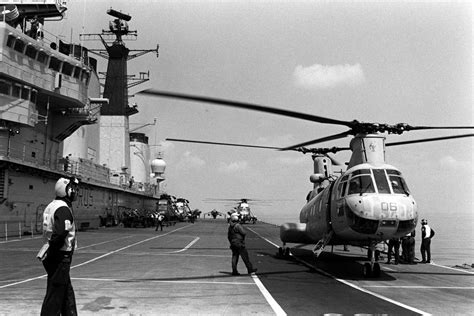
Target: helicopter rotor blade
319	140
425	140
218	143
247	106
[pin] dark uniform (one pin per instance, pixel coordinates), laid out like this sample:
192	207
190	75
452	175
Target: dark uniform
426	234
236	236
393	244
59	231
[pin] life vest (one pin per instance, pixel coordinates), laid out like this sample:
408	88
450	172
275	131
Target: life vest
48	224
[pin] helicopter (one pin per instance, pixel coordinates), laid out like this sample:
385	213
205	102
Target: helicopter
182	209
366	204
242	209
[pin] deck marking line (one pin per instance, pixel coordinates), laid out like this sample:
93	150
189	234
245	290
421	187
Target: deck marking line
164	281
126	247
416	310
350	284
455	269
422	287
104	242
95	259
273	303
187	246
15	240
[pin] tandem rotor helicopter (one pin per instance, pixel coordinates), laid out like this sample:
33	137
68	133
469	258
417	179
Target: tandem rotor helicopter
367	204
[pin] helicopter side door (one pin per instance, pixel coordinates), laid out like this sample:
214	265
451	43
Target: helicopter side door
319	215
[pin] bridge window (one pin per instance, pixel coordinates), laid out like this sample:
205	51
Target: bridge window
77	72
19	45
31	51
67	69
25	93
54	64
4	87
33	95
16	90
42	57
11	40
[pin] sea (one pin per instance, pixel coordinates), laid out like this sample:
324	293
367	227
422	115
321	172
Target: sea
452	245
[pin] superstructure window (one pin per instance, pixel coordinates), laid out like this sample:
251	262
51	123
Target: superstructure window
42	57
31	51
33	95
4	87
77	72
16	91
67	69
25	93
19	46
54	64
10	40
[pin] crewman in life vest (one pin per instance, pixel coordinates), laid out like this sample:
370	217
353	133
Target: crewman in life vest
426	234
59	232
236	236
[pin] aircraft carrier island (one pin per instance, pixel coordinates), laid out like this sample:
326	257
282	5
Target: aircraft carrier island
186	270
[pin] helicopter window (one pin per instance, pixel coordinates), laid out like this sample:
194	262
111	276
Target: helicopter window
381	181
391	171
398	185
361	171
341	188
361	184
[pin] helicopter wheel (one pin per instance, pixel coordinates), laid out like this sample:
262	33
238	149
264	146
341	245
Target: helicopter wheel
367	270
284	252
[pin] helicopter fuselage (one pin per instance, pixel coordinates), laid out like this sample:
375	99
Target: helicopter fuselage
365	204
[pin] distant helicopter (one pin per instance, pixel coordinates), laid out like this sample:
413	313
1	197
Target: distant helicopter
214	213
367	204
182	209
242	209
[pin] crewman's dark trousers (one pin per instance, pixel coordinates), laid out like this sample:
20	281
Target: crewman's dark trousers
240	250
59	297
159	224
426	249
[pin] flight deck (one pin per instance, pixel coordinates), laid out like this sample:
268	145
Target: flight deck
186	270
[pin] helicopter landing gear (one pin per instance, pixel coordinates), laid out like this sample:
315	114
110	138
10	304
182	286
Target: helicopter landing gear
372	268
284	251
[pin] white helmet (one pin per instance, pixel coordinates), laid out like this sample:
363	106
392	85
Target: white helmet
66	188
234	217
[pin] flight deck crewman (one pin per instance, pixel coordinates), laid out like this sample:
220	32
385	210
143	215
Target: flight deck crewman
59	232
426	234
236	236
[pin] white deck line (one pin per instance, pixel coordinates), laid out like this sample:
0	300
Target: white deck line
350	284
94	259
274	304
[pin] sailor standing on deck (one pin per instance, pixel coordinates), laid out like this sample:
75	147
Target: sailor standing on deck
426	234
59	232
236	236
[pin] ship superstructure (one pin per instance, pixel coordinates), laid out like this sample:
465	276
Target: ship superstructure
51	125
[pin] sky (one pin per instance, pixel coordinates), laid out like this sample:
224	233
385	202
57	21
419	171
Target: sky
387	62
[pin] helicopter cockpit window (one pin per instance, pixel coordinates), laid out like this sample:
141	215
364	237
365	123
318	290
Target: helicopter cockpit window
381	181
399	185
341	187
361	184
